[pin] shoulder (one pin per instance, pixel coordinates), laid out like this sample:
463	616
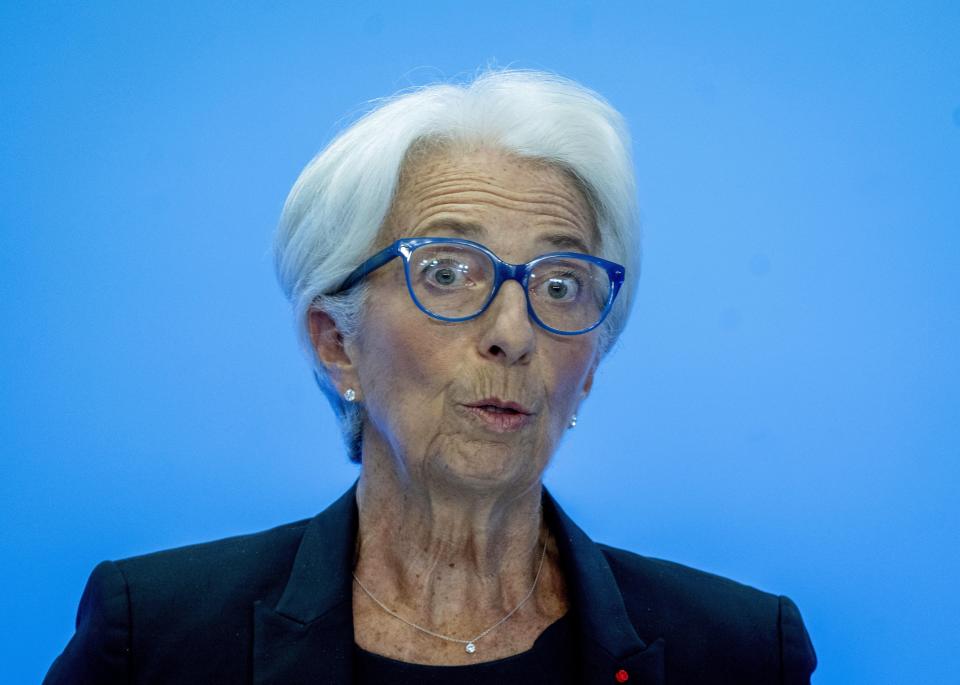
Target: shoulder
650	584
242	559
231	572
710	619
191	608
180	615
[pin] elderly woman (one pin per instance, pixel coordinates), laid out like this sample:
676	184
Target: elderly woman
459	261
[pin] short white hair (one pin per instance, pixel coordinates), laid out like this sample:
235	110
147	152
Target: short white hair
335	210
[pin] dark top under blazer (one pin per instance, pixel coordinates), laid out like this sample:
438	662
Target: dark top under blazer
275	607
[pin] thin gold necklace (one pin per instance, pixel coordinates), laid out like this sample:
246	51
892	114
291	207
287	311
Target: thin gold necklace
469	646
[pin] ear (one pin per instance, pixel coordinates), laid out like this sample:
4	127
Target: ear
328	345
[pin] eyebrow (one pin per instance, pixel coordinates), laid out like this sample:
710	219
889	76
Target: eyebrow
471	230
565	241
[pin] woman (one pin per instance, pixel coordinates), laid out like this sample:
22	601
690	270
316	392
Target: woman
459	261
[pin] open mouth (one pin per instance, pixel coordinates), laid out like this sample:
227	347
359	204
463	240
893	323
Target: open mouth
500	417
498	410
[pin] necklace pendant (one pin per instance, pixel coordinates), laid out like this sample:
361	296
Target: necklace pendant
470	648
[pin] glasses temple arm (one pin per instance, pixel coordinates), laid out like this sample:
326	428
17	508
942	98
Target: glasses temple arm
368	267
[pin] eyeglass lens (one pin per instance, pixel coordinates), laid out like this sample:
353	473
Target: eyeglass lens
455	281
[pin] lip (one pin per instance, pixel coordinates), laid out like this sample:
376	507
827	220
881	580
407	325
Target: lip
500	404
500	416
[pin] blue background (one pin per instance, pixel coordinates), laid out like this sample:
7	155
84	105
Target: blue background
783	408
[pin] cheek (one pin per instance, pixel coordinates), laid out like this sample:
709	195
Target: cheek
403	365
571	364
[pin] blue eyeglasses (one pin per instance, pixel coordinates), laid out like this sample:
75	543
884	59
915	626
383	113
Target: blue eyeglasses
455	280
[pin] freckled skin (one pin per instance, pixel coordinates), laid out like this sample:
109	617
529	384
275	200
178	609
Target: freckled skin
450	526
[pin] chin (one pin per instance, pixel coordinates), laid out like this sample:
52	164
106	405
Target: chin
483	468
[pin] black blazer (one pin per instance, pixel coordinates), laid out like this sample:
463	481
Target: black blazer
275	607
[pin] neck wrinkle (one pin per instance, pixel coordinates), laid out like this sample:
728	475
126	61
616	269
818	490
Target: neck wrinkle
438	554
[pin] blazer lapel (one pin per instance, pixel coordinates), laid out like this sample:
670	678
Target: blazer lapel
308	636
611	650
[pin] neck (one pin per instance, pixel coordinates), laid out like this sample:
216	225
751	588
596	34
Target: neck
435	551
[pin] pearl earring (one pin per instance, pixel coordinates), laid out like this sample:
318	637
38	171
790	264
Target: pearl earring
573	421
349	395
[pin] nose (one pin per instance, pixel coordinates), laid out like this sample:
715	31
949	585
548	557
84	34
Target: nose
508	333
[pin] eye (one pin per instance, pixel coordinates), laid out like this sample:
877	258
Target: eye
445	273
562	287
445	276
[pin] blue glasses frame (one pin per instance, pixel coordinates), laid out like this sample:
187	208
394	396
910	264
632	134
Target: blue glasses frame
504	271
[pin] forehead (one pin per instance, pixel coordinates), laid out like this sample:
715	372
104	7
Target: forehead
493	197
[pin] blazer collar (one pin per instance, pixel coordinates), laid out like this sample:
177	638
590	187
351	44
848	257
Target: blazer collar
609	643
308	636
